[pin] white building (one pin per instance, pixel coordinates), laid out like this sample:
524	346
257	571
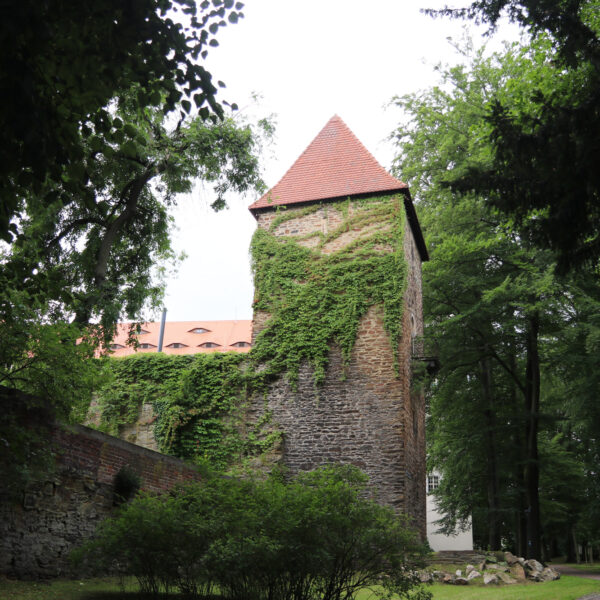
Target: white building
438	541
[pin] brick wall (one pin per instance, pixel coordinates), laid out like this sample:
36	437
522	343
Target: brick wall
371	418
54	516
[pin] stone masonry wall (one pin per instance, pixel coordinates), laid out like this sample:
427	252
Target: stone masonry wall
371	418
53	517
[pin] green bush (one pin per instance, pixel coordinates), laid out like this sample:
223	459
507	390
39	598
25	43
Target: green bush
316	537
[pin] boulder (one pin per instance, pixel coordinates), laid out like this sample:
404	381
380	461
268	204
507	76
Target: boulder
461	581
425	577
469	569
447	578
518	572
506	578
473	574
549	574
458	573
497	568
438	575
511	559
489	579
534	566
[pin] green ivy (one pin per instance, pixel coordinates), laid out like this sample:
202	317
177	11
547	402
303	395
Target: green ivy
316	299
198	403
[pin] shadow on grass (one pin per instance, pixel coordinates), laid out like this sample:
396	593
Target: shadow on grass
142	596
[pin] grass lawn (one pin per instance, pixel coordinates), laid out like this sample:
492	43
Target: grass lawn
586	566
566	588
65	589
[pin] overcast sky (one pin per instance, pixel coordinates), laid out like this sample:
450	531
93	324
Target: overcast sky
309	60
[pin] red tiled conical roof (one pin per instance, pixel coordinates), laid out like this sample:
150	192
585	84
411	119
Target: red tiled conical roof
335	165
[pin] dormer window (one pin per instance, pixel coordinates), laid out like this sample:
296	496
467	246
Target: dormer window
146	346
116	347
176	345
209	345
241	345
198	330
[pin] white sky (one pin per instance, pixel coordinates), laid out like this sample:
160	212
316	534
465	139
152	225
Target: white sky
309	60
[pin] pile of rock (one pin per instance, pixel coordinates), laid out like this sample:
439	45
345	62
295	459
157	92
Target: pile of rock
492	571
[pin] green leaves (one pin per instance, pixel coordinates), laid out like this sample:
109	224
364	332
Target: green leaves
316	537
317	298
483	288
75	66
197	402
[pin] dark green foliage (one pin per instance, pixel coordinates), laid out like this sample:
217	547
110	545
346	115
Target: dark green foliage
61	63
85	191
544	131
517	390
197	400
26	451
316	299
44	375
314	538
125	485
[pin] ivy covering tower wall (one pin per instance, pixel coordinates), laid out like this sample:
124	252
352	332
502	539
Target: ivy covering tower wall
337	303
316	288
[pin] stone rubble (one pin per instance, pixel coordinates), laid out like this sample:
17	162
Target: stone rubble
513	569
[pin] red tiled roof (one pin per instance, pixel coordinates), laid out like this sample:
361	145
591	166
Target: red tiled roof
335	165
222	333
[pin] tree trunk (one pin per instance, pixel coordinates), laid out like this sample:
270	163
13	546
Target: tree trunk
493	495
532	409
571	546
521	518
96	293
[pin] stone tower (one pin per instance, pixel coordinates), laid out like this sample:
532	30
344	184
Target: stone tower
338	313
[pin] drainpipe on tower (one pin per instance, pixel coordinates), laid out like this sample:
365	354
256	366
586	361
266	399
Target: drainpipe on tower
162	329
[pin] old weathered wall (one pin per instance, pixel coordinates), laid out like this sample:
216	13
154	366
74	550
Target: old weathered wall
38	531
364	413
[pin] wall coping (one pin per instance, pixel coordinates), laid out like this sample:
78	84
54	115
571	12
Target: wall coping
105	438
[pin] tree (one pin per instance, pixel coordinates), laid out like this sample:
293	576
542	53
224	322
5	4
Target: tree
90	257
543	168
100	138
492	301
61	63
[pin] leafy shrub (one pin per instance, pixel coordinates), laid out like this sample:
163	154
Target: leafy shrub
316	537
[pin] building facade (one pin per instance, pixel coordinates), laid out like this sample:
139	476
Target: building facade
461	541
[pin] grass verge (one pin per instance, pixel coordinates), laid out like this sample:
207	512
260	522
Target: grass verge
566	588
594	567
